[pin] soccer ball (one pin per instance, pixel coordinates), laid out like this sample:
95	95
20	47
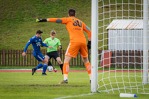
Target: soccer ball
50	68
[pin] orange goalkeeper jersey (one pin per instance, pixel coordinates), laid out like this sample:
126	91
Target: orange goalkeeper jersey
75	28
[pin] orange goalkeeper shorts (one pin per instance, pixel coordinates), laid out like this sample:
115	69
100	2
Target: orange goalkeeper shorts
74	48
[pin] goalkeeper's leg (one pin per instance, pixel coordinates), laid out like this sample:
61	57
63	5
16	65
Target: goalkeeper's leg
84	54
87	65
66	69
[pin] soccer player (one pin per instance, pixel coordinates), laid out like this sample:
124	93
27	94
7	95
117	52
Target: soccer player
54	44
75	28
36	42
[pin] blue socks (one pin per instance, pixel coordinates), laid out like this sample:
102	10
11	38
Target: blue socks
39	66
44	68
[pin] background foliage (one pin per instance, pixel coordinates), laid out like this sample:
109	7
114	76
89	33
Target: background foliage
18	24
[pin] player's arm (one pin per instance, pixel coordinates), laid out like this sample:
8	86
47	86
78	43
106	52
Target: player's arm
45	45
46	42
88	31
56	20
59	44
26	47
59	48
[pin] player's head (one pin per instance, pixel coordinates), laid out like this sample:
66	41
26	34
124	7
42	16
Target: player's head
38	33
53	33
71	12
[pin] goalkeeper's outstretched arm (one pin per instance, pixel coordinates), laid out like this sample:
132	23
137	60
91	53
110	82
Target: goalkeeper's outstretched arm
56	20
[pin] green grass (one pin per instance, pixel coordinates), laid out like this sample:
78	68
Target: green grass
22	85
18	24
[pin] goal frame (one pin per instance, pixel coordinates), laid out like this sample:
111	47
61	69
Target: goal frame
94	43
145	40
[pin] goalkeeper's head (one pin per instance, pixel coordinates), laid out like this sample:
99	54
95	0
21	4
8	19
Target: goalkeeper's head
71	12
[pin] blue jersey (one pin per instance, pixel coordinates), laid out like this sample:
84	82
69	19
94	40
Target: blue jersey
36	43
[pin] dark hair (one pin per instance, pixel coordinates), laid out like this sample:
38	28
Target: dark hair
71	12
39	32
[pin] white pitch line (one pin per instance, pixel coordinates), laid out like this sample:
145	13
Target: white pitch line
81	95
15	69
18	69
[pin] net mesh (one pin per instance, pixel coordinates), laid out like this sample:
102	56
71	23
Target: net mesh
120	44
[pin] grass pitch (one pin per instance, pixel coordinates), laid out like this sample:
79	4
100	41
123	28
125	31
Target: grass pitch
22	85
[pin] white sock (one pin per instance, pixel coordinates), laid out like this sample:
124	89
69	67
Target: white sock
65	77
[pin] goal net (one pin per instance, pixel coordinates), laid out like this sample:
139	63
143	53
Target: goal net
121	37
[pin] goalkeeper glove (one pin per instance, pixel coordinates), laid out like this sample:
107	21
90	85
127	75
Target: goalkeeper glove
41	20
89	45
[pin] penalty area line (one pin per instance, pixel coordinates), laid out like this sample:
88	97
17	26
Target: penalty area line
72	96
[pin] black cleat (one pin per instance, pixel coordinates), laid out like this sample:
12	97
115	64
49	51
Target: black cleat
64	82
44	74
33	71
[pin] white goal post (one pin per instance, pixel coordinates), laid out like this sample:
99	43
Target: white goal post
145	41
120	46
94	43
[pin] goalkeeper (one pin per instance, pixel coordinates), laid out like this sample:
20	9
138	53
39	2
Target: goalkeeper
75	28
52	52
